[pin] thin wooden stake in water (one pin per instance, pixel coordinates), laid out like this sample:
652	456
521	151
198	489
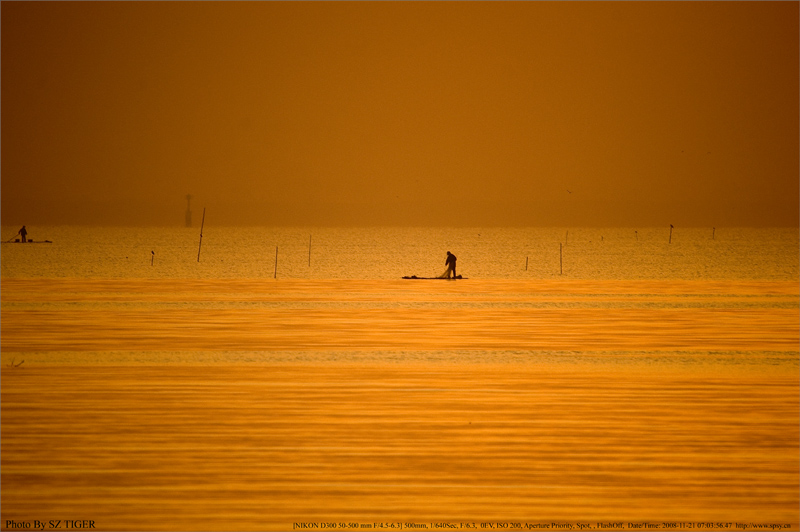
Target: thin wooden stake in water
276	263
309	250
670	233
201	234
561	259
152	257
526	264
713	231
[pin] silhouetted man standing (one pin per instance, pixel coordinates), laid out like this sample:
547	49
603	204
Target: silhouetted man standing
23	233
450	262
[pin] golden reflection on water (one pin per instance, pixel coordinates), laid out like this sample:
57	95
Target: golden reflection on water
510	329
259	448
321	315
263	445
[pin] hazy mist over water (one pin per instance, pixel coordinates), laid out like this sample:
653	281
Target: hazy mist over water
401	113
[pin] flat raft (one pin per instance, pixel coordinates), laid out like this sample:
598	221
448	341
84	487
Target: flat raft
439	278
30	242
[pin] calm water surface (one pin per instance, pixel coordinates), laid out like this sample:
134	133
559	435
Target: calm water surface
647	382
390	253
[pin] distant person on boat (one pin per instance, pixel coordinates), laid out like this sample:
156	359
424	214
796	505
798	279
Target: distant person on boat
23	233
450	262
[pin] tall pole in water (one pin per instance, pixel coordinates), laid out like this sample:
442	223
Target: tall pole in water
670	233
276	263
309	250
201	234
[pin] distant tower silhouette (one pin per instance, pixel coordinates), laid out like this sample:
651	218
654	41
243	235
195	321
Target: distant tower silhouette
188	210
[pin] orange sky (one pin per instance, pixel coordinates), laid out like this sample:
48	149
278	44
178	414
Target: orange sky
305	113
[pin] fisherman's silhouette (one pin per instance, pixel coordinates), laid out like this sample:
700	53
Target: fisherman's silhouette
23	233
450	262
